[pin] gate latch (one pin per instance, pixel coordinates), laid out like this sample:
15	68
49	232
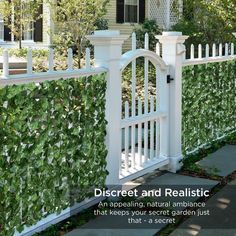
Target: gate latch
169	79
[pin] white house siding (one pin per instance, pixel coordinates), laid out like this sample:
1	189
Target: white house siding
125	28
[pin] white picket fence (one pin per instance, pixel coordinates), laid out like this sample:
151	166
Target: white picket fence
151	130
218	53
206	53
51	74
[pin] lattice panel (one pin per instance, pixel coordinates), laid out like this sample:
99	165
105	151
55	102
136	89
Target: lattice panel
175	11
165	12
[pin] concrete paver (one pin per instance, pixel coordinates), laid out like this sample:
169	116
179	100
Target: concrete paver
221	162
220	222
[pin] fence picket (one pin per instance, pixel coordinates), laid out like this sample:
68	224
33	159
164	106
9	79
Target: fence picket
133	88
220	50
146	43
140	133
133	146
157	139
214	50
192	52
51	60
199	51
133	111
152	130
126	137
146	65
226	49
133	101
146	141
87	58
29	61
69	59
5	63
133	41
207	51
232	49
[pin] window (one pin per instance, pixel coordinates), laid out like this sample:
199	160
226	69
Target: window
28	25
28	31
32	29
1	29
130	11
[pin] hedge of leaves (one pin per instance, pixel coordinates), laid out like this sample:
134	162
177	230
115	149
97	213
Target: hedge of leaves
209	103
52	143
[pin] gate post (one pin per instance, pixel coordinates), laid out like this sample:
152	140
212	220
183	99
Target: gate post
107	54
173	51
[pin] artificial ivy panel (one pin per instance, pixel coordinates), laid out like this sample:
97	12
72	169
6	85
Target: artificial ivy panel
209	103
52	147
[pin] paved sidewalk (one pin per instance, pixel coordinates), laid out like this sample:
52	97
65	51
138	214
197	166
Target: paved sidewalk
220	222
222	206
221	162
118	226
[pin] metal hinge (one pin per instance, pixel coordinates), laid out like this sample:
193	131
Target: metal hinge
169	79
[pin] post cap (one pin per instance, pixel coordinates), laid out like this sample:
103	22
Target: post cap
172	33
171	37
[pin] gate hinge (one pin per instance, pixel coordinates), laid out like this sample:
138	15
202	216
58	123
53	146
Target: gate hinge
169	79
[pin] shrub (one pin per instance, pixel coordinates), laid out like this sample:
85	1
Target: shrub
207	21
150	27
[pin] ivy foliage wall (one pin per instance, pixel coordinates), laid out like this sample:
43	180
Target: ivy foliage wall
52	142
209	103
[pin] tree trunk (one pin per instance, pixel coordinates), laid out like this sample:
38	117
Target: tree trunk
20	42
79	55
21	26
79	51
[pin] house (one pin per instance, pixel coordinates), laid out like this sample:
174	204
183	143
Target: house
124	15
36	36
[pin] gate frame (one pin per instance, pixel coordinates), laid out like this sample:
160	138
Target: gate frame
163	110
108	54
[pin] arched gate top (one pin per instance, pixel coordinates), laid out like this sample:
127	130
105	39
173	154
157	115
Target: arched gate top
130	56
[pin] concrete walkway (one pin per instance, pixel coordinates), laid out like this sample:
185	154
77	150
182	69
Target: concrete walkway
222	206
221	162
220	222
112	226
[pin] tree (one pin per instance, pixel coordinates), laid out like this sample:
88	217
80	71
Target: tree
19	16
208	21
77	18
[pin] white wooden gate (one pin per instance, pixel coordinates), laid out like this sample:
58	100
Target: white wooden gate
149	125
144	119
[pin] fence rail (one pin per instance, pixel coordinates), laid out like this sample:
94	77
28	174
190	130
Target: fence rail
51	74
